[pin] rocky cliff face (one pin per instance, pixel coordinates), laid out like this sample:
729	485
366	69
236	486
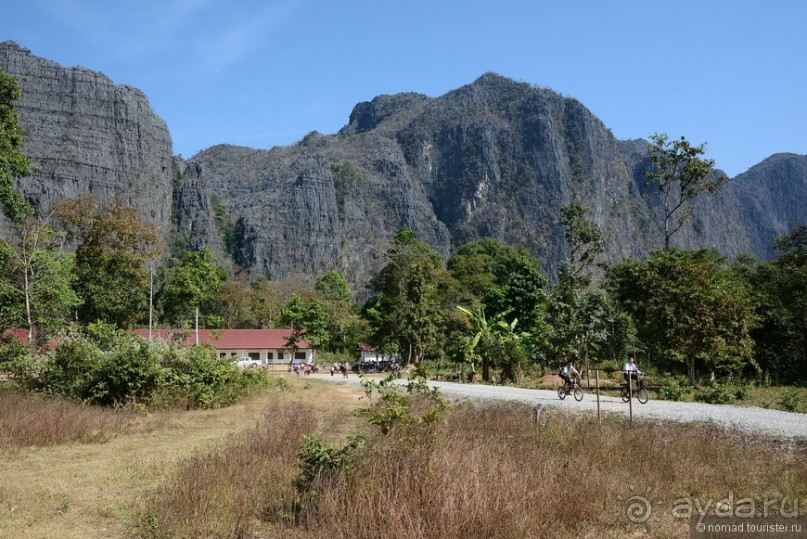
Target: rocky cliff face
85	135
495	158
771	198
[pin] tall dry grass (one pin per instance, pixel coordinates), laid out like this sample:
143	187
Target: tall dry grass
220	493
494	474
487	471
27	421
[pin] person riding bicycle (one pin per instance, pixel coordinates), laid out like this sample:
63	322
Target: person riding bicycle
630	370
567	370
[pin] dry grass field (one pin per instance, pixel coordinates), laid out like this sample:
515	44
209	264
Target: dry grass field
97	488
483	471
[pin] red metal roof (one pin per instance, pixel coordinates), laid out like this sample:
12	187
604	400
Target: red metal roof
21	334
229	339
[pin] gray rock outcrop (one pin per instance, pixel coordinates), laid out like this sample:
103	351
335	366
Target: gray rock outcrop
495	158
86	135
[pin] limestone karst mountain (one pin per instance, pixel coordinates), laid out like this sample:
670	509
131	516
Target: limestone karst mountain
495	158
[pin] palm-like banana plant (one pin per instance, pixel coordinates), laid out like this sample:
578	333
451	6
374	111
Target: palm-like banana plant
492	339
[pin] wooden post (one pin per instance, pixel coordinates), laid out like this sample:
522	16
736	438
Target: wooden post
630	399
588	377
597	380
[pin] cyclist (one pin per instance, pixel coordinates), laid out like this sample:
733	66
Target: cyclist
630	370
567	370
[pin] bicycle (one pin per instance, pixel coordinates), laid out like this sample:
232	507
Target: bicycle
640	392
570	389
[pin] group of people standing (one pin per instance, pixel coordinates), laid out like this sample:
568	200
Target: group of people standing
343	367
305	368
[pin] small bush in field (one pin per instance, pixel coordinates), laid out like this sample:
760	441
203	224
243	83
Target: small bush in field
791	400
12	353
419	406
210	381
721	394
673	391
318	460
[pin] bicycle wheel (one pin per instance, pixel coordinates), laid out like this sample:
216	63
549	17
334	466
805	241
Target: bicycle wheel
642	395
561	392
625	394
578	393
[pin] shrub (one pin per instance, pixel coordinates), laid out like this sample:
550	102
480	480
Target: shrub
69	371
209	381
318	460
673	391
130	372
717	393
113	368
419	408
791	400
12	352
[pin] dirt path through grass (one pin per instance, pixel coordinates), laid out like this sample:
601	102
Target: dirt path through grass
93	490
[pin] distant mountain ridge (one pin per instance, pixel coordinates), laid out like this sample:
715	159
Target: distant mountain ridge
494	158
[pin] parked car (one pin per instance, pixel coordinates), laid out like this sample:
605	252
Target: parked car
247	363
370	366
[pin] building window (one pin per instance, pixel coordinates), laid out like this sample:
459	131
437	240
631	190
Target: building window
270	356
299	355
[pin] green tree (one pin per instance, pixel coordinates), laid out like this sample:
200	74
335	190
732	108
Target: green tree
496	343
333	287
192	286
52	298
408	314
681	175
12	314
234	305
345	326
782	286
42	275
114	248
307	319
692	307
578	317
583	236
264	305
504	279
579	320
13	164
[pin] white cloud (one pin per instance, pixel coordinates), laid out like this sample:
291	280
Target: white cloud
199	34
239	36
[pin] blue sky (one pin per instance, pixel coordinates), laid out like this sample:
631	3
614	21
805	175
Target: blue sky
730	73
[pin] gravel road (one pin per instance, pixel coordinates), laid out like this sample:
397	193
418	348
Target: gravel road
744	418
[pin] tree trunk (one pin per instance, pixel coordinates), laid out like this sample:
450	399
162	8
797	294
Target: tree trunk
691	370
28	317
